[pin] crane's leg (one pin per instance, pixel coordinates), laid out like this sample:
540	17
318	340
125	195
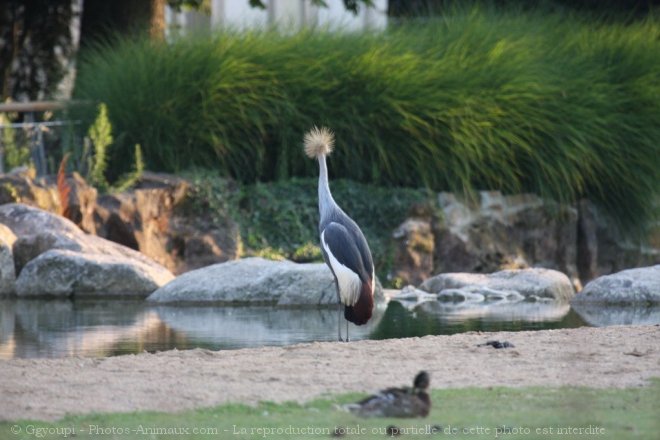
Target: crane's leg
347	339
339	321
338	312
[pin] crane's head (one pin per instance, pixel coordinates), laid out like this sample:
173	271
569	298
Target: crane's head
319	142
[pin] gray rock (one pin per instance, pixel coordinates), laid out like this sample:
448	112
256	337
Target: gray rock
512	285
410	297
504	232
253	280
641	285
61	272
458	295
7	271
411	293
26	220
39	231
84	264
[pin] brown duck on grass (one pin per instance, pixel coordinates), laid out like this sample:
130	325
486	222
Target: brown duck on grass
397	402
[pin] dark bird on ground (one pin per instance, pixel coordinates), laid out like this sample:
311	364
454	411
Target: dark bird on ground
344	248
497	344
397	402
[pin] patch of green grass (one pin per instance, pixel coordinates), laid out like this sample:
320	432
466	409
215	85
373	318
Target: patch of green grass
469	413
523	100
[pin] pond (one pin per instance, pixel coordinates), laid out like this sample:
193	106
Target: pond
99	328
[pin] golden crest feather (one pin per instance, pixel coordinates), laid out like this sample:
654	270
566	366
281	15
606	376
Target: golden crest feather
319	142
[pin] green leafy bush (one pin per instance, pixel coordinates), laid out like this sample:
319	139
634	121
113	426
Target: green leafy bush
518	101
280	220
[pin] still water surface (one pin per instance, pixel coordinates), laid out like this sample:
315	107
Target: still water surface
58	328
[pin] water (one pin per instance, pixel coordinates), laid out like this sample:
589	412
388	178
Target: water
59	328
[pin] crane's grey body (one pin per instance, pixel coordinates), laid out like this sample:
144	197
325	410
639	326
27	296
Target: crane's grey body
347	254
342	235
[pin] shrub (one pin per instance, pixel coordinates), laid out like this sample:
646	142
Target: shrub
279	220
517	101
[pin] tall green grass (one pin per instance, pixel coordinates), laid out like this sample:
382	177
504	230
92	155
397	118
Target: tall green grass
519	101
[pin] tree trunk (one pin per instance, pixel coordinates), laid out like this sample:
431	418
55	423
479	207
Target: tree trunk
157	22
38	45
139	18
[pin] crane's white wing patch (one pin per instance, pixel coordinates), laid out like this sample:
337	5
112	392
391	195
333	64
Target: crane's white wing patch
349	281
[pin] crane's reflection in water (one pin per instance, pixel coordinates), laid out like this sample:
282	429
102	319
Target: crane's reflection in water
59	328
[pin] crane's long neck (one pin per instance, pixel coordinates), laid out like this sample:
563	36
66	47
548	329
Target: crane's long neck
326	203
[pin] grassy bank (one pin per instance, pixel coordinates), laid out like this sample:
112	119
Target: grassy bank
549	103
530	413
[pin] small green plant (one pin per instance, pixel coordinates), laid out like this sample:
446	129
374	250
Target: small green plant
15	154
100	137
128	180
100	134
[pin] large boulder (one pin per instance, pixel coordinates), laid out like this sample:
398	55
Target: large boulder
504	232
60	272
7	270
253	281
39	232
516	284
632	286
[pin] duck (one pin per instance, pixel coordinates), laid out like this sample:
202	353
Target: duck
404	402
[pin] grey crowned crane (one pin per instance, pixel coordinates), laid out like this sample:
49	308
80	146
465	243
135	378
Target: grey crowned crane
344	248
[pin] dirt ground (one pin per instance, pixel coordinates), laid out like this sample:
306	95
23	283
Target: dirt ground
176	380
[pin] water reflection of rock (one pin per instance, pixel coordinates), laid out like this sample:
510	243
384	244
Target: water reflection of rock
60	328
600	315
63	327
497	311
234	327
409	319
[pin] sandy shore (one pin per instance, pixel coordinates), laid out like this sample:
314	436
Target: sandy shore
176	380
